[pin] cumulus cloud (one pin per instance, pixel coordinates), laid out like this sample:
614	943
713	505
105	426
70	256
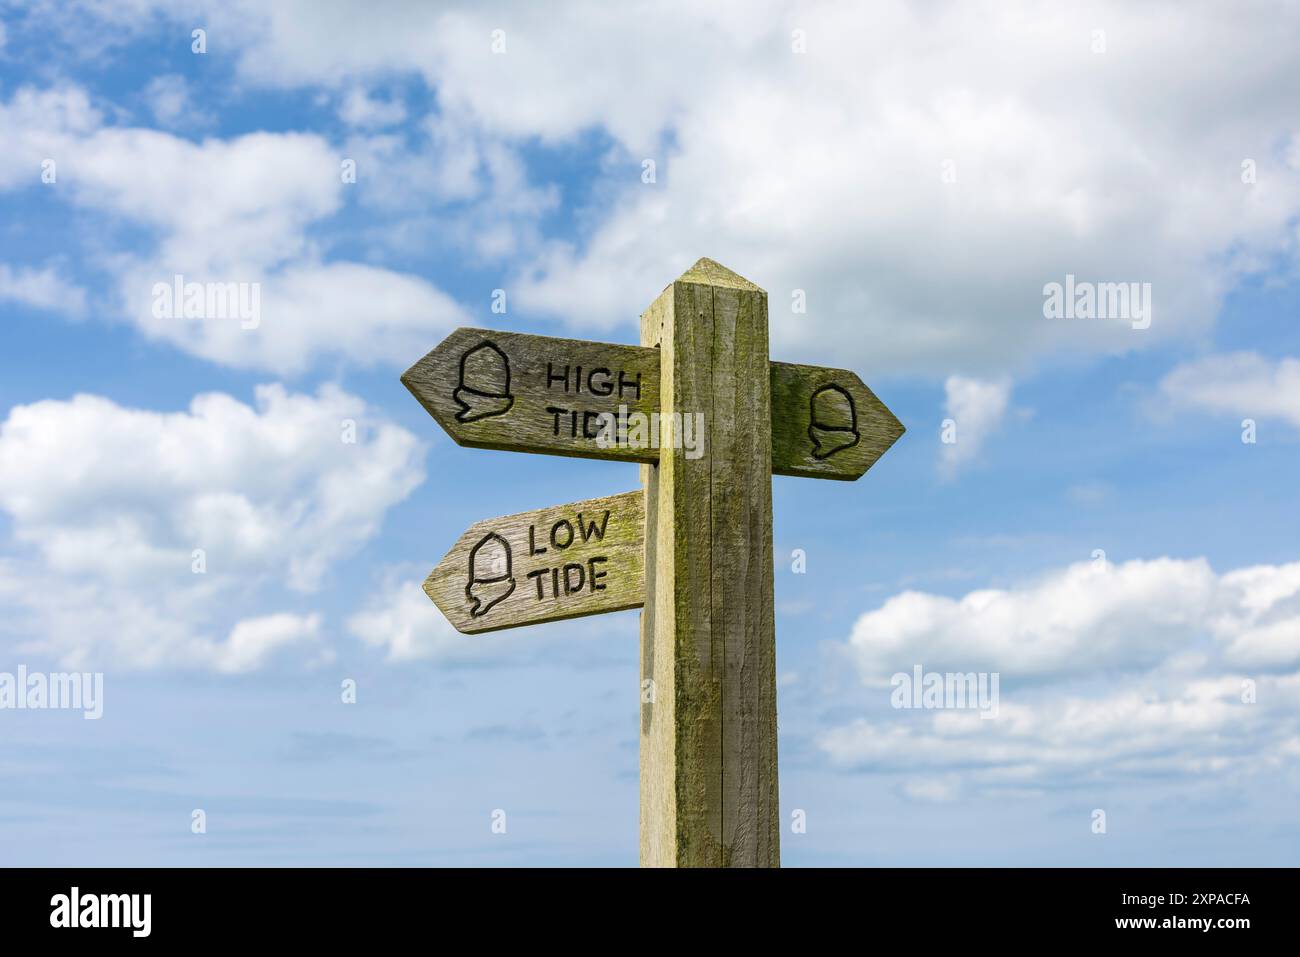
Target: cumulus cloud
305	311
226	211
45	289
922	207
98	487
361	109
825	171
976	409
1242	384
446	184
1199	677
1196	726
407	626
1089	618
168	98
914	174
139	526
1258	616
253	640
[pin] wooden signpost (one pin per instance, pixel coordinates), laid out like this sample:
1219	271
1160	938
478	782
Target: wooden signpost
710	418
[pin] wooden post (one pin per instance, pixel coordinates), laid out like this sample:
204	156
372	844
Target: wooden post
708	651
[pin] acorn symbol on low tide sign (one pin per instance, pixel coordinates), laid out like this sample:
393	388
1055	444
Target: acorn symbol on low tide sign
484	389
490	574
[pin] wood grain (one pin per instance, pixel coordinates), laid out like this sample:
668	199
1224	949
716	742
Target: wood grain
548	564
708	728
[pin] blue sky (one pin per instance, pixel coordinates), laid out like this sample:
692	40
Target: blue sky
805	146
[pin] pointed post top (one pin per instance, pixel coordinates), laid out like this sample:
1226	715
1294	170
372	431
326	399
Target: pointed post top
706	272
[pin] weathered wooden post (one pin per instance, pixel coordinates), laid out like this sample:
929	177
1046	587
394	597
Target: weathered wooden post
708	649
694	548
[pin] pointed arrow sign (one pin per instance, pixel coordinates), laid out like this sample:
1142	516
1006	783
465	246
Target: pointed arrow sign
527	393
545	565
509	390
826	423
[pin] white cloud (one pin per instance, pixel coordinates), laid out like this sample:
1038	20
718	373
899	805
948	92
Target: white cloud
110	505
36	125
1260	620
822	170
42	289
308	310
1242	384
236	210
1089	618
1197	726
253	640
977	408
408	626
98	487
486	206
168	97
360	109
1197	677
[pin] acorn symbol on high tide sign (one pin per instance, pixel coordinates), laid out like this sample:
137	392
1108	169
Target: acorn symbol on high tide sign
834	421
484	389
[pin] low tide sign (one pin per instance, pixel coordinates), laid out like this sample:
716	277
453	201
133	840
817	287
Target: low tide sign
545	565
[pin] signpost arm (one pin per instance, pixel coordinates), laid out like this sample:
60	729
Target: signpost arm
708	652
